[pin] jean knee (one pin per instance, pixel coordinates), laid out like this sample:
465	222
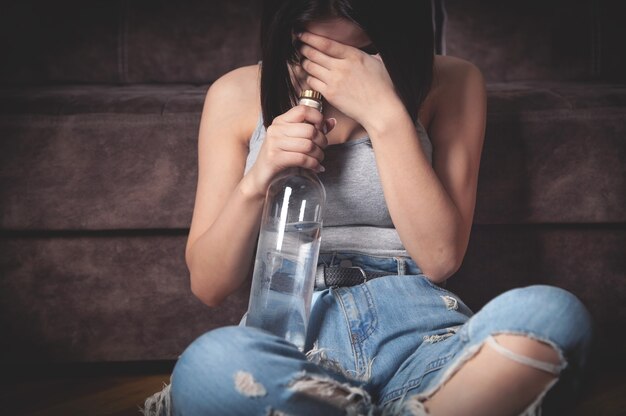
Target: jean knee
546	312
208	361
239	370
220	346
564	309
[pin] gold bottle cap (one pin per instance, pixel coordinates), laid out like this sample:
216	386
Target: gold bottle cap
311	98
315	95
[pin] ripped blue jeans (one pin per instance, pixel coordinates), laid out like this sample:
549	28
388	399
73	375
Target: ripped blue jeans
375	348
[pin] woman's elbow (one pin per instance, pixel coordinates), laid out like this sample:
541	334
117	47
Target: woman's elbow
200	285
208	296
440	270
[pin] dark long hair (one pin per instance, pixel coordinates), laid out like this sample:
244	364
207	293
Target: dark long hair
402	32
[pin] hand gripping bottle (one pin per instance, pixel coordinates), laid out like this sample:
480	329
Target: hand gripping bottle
288	250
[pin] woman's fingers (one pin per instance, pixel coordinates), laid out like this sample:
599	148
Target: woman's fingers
313	68
328	46
305	131
313	55
317	69
302	114
296	159
297	139
294	139
303	146
299	130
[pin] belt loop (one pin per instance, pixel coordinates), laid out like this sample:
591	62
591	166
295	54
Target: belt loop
401	265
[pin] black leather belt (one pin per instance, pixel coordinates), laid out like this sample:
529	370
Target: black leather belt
337	276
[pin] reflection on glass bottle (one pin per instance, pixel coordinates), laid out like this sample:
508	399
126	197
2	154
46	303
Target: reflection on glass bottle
288	250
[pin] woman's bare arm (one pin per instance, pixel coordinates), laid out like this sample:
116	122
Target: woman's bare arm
226	213
228	207
432	206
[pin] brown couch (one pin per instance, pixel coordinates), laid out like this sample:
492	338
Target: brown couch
99	110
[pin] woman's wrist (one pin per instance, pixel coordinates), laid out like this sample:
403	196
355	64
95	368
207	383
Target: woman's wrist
249	190
386	116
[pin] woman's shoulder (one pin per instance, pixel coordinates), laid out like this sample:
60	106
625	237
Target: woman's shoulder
452	74
237	97
451	77
244	79
449	68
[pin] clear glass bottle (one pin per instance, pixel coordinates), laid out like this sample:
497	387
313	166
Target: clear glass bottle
288	250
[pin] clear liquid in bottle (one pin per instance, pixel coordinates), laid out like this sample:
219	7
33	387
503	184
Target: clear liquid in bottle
288	251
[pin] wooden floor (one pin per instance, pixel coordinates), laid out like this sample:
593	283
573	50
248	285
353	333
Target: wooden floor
116	389
119	389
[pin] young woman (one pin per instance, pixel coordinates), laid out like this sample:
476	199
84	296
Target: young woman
398	149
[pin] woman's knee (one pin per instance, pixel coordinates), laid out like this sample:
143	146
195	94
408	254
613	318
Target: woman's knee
205	374
240	370
546	312
216	348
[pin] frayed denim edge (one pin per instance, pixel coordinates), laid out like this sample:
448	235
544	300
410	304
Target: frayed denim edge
159	404
405	407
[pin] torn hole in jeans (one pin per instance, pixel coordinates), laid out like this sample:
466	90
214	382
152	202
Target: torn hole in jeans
248	386
431	339
414	404
355	401
318	356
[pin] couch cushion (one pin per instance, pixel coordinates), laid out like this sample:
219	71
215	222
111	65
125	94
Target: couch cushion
69	41
98	158
101	297
554	153
117	296
195	41
539	39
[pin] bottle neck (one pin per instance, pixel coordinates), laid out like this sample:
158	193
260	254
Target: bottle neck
311	103
295	171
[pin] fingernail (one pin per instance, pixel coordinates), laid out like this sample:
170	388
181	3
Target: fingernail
321	169
325	129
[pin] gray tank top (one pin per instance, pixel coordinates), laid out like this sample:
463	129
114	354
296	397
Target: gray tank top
356	217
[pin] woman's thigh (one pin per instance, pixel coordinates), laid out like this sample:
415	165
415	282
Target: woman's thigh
545	313
240	370
368	331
